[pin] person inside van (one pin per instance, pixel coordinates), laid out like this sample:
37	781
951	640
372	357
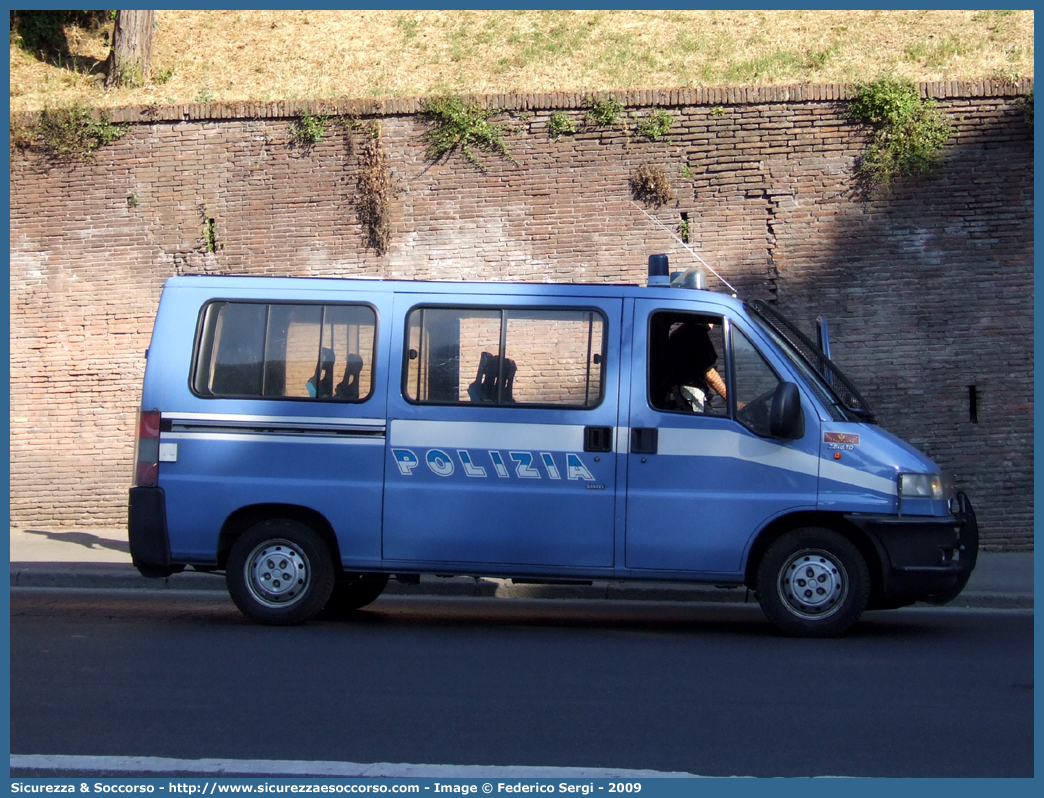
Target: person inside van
320	385
691	377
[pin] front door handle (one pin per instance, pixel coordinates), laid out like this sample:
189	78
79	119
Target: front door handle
598	439
644	440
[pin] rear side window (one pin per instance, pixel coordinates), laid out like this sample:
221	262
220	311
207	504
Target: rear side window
260	350
502	356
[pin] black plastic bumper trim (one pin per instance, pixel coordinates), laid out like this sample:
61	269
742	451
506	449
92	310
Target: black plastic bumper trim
147	530
921	556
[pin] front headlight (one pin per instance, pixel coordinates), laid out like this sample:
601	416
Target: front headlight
921	486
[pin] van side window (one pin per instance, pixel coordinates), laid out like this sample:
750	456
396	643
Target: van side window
687	363
755	384
502	356
258	350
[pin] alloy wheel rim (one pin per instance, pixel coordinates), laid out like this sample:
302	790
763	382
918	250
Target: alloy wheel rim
813	584
277	573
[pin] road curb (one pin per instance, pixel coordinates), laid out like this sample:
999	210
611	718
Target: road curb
117	576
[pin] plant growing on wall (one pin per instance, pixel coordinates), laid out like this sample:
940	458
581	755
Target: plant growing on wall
908	132
650	185
465	126
656	125
375	191
21	137
210	242
308	129
70	133
208	236
1026	104
604	113
560	123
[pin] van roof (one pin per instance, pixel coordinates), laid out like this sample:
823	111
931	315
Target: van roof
268	286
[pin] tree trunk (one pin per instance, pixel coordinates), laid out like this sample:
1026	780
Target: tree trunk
130	59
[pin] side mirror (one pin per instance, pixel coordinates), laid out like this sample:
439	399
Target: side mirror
786	420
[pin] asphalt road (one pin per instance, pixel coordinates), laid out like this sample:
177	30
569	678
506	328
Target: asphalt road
704	689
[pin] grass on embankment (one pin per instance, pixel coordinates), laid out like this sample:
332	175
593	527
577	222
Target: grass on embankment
203	56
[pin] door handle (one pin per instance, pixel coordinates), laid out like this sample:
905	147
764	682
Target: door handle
598	439
644	440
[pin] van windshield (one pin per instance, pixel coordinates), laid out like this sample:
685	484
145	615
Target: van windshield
822	374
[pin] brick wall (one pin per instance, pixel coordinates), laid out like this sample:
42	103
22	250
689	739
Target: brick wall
929	291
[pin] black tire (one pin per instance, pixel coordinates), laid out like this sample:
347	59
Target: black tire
813	583
280	572
353	591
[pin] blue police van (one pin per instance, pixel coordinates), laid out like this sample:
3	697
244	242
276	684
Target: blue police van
314	437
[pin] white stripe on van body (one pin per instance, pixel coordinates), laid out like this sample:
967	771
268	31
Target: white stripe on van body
674	442
487	435
837	472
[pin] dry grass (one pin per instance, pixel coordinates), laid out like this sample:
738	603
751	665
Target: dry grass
271	55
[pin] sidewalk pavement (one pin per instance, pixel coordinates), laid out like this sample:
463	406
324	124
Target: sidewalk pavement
100	558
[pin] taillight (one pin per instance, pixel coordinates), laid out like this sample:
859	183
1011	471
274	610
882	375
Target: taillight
146	449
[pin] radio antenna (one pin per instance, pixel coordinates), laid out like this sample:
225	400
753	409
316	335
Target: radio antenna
690	250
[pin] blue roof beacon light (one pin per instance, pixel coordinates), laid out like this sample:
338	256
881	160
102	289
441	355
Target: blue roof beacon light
659	270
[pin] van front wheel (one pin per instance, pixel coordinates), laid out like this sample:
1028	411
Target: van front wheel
280	572
813	583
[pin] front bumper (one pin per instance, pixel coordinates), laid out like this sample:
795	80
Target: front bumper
923	558
147	530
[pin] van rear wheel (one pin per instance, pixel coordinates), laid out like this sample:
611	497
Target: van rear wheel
280	572
353	591
813	583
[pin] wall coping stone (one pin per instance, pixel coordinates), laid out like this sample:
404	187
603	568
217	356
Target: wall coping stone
409	106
